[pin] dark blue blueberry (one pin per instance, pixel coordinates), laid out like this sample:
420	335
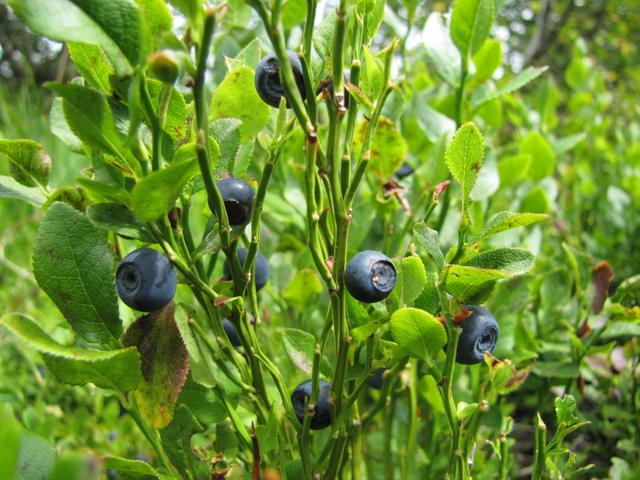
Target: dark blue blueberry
370	276
261	268
322	410
146	280
479	335
267	78
238	200
404	171
377	378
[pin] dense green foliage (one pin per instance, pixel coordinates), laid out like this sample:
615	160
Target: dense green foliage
520	120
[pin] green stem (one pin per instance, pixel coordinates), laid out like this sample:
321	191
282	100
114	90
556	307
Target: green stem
152	117
150	434
540	448
408	461
388	438
195	326
304	438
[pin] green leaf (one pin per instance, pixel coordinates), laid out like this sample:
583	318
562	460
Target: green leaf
514	169
372	80
303	287
323	35
115	26
10	434
430	391
36	457
388	149
508	220
92	64
203	403
156	194
268	435
515	261
543	158
356	313
428	300
417	332
426	240
203	368
248	56
299	347
565	407
103	191
129	468
536	201
487	60
60	128
191	8
226	441
619	332
411	279
73	264
440	49
434	124
165	364
563	145
464	409
364	331
9	188
236	97
90	118
481	96
74	466
30	164
176	122
470	25
464	156
555	369
464	282
176	438
118	369
226	131
115	217
157	22
373	12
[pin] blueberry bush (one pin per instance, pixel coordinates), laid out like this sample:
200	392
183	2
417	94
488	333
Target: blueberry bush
290	239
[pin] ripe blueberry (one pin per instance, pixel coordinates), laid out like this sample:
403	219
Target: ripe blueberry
404	171
370	276
146	280
267	78
479	335
322	410
261	268
377	378
238	200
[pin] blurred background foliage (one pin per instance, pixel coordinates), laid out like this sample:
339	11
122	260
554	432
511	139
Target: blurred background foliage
579	120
